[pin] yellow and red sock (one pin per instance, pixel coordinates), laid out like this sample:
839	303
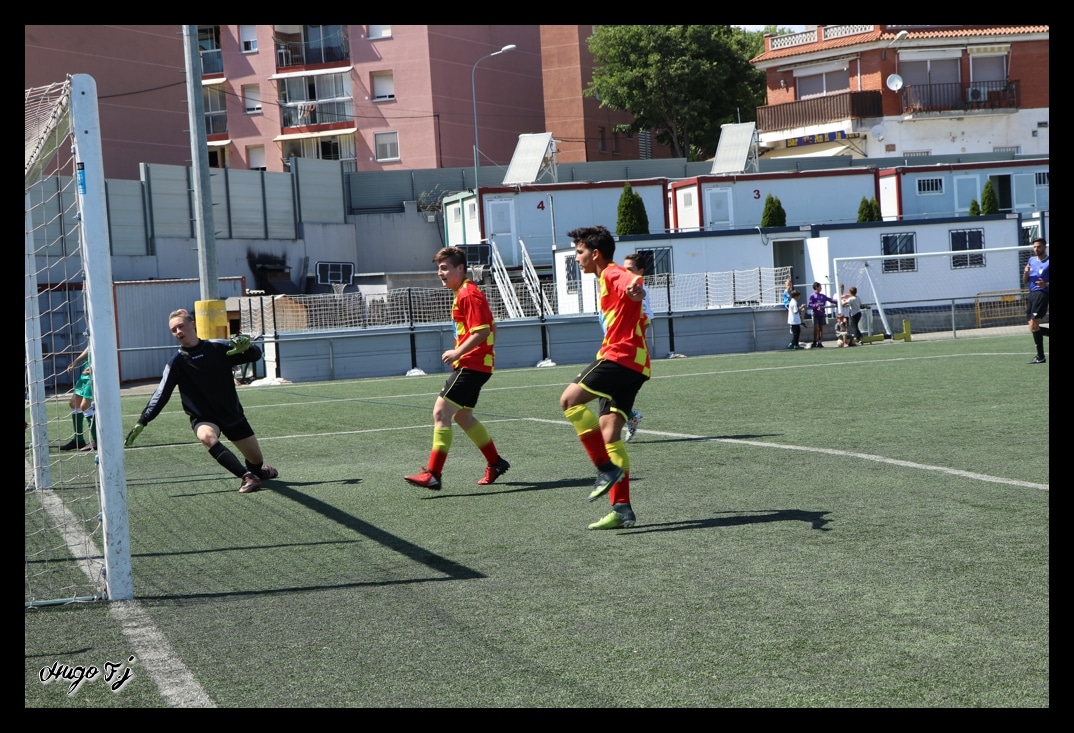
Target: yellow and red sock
588	428
480	437
441	447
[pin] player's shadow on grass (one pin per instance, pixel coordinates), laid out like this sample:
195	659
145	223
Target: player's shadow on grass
816	520
508	487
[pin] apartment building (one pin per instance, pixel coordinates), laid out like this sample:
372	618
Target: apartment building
879	91
375	97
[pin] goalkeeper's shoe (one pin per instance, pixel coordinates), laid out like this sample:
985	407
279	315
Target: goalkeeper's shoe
631	426
268	472
250	483
493	472
425	479
621	517
605	481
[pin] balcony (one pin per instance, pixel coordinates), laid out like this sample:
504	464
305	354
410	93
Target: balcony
303	114
819	111
959	97
306	53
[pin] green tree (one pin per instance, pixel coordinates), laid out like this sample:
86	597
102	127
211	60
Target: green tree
975	208
868	210
989	202
773	214
680	81
632	216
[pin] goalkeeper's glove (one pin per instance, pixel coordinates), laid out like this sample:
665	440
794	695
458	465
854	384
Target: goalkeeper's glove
239	344
133	435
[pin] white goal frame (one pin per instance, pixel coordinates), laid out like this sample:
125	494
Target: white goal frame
83	172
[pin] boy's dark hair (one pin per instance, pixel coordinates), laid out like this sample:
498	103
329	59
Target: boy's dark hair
598	238
454	256
795	294
639	259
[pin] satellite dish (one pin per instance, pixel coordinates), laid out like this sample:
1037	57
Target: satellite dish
878	133
894	82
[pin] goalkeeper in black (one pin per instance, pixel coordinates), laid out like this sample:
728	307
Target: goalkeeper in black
202	370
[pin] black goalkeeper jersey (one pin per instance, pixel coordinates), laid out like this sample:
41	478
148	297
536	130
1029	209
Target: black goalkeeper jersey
206	383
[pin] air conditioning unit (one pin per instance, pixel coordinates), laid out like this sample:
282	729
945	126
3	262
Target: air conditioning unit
976	94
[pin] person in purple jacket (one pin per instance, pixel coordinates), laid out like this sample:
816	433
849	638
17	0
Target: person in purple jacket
818	301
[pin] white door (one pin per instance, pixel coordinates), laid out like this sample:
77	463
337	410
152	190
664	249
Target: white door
500	225
718	209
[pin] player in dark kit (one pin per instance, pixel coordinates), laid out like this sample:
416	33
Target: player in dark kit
202	370
1038	276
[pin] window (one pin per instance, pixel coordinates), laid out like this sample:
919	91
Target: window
387	145
615	143
656	261
817	85
255	157
927	186
1041	178
331	147
899	244
217	157
314	100
330	273
215	101
212	61
600	140
915	153
930	84
251	98
572	274
248	38
645	145
1016	149
963	240
383	85
380	31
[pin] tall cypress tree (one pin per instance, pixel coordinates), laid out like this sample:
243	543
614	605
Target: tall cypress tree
632	217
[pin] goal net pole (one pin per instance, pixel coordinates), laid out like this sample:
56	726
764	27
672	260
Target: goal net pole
100	311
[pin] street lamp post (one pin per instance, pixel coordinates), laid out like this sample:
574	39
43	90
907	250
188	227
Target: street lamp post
473	94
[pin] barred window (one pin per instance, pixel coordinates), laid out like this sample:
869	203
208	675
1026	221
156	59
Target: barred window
899	244
963	240
929	185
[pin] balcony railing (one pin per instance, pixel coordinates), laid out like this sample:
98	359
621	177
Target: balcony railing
819	110
212	62
960	96
300	114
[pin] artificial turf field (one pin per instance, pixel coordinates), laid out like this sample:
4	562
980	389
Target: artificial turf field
855	528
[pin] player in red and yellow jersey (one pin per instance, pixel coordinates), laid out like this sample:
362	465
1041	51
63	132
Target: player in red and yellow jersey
472	362
621	368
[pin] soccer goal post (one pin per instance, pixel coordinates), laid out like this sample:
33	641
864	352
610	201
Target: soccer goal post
954	291
77	532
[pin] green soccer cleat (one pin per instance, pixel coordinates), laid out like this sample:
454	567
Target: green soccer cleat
621	517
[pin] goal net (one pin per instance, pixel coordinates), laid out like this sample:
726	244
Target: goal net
77	535
960	293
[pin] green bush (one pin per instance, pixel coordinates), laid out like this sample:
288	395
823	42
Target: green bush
773	214
975	208
632	217
868	210
989	202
